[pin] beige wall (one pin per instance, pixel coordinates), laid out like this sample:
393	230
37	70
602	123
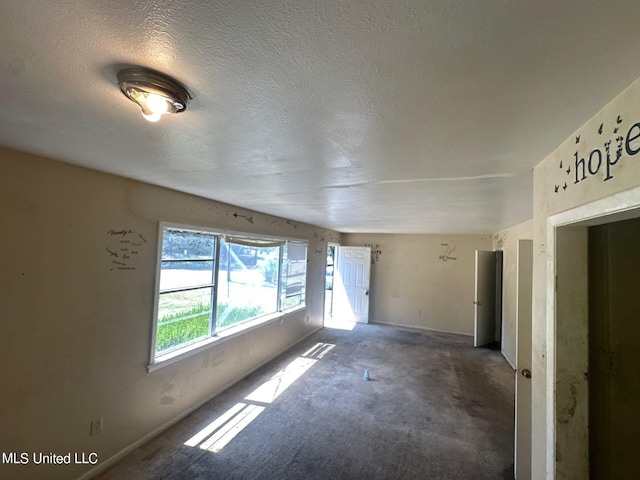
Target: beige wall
507	242
423	281
559	334
75	332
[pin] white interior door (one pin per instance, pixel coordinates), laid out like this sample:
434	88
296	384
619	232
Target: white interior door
351	287
524	287
485	300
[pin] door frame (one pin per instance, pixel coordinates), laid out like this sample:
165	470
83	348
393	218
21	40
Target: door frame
524	317
567	328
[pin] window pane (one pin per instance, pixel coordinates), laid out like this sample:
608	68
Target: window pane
185	274
184	245
182	318
294	276
247	283
249	278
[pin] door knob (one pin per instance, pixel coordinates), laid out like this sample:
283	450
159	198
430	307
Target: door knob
477	303
526	373
367	292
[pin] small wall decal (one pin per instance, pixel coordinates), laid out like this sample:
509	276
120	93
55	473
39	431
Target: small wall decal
294	225
247	218
124	247
448	250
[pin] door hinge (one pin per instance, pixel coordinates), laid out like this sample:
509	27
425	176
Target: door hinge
609	363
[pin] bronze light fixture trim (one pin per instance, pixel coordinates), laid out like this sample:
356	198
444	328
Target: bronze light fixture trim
157	94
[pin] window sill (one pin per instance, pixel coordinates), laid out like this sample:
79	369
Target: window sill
220	337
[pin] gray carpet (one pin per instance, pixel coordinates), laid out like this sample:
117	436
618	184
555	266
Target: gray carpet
434	408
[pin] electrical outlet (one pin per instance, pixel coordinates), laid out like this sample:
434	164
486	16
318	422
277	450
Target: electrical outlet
96	426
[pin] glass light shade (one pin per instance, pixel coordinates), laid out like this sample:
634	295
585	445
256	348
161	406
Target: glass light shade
153	106
155	93
157	103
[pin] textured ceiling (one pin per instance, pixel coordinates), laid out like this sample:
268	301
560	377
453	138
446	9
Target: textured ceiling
415	116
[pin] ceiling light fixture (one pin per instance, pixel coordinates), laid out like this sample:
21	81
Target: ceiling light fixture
155	93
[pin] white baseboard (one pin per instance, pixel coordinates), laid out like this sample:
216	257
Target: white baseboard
125	451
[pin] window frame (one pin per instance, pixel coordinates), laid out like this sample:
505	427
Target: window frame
190	348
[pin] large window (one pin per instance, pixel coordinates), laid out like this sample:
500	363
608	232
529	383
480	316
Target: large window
210	281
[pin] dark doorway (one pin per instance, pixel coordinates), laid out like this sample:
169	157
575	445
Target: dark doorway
614	350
